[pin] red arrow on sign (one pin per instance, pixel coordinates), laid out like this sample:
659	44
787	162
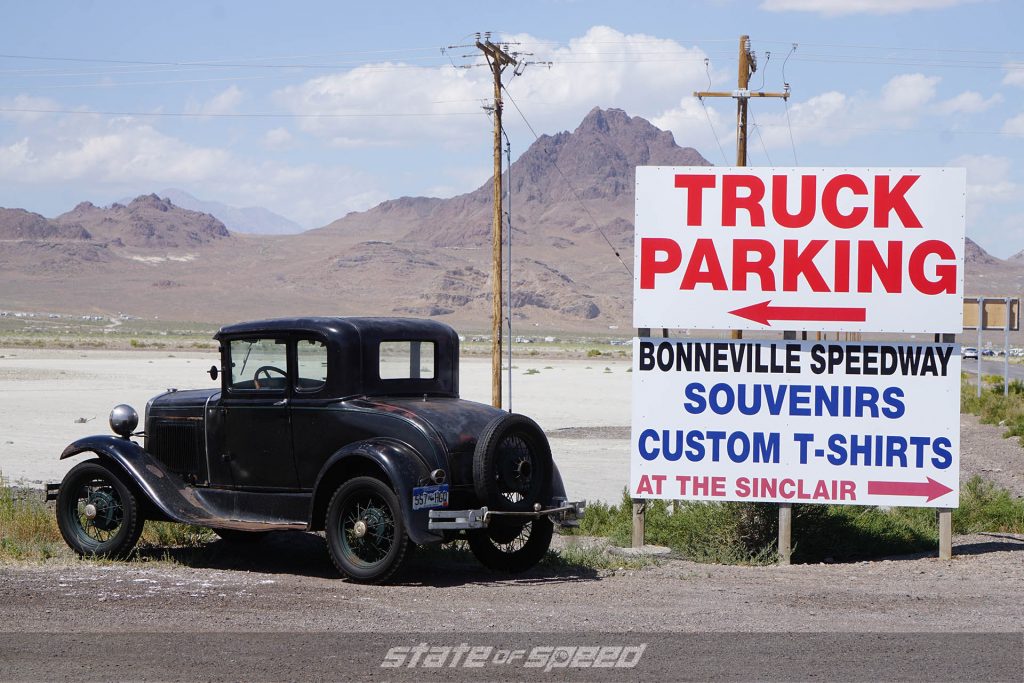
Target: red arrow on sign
764	313
931	488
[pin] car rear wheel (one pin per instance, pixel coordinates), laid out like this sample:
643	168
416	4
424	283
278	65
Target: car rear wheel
97	513
512	549
512	465
365	530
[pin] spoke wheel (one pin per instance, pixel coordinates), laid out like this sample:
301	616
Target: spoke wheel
96	512
365	530
512	464
512	549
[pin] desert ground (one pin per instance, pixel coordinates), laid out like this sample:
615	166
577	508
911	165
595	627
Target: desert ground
276	611
50	397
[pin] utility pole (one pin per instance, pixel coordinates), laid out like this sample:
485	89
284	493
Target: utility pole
747	66
497	60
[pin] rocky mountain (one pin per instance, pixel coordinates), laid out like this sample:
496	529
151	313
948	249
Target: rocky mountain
563	185
572	198
572	217
146	222
253	220
975	254
18	224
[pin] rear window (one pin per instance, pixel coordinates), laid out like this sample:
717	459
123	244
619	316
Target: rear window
406	360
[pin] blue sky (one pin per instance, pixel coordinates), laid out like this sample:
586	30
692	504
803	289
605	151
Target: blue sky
315	109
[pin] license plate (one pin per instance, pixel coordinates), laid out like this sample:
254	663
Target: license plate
427	497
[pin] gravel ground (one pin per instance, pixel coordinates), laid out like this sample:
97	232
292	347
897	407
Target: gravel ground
985	452
286	585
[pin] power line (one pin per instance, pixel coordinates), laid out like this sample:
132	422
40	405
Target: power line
757	129
227	62
261	115
785	83
572	187
714	133
792	140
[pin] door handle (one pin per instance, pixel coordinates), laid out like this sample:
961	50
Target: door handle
282	402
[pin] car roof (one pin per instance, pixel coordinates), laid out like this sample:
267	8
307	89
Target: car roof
342	328
356	342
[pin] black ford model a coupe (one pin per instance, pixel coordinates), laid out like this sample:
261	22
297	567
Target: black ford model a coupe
352	426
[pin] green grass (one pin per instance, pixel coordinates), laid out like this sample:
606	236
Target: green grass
721	533
746	533
28	529
994	408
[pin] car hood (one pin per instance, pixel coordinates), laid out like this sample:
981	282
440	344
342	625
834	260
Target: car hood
192	398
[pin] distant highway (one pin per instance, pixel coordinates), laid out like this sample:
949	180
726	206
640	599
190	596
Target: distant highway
992	367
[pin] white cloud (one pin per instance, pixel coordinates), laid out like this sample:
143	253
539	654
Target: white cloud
639	73
689	123
834	118
375	104
846	7
991	190
122	156
908	92
222	103
277	138
969	102
988	178
25	109
1015	125
1014	73
983	168
14	157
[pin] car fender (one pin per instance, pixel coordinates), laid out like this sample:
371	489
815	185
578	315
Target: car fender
557	485
399	462
163	489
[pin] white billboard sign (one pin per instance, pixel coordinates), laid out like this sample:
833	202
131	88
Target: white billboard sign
855	250
851	423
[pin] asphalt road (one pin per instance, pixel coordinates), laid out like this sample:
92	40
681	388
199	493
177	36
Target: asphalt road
992	367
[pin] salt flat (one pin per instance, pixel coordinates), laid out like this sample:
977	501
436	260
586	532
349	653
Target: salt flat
44	393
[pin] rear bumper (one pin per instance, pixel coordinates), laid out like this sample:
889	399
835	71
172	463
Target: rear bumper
562	512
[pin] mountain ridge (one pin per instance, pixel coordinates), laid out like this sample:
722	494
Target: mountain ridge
572	223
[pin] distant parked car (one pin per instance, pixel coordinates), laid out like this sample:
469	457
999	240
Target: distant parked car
969	352
351	426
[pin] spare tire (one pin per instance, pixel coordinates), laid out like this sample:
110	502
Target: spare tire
512	464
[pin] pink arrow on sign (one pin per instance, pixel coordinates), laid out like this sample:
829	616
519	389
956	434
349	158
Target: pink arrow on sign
932	489
764	313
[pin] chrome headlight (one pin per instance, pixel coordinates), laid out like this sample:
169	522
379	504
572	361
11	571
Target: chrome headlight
124	420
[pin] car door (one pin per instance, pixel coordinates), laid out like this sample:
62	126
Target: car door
257	427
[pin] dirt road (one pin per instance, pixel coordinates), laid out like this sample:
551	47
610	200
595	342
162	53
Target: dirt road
57	617
274	611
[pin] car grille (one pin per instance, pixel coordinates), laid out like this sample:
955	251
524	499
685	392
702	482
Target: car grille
178	444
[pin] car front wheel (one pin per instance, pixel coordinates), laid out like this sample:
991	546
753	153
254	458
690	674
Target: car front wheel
512	549
365	530
97	513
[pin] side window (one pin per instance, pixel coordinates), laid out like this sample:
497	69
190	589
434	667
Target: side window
312	355
259	364
406	360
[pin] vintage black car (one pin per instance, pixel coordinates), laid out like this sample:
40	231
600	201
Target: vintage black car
351	426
